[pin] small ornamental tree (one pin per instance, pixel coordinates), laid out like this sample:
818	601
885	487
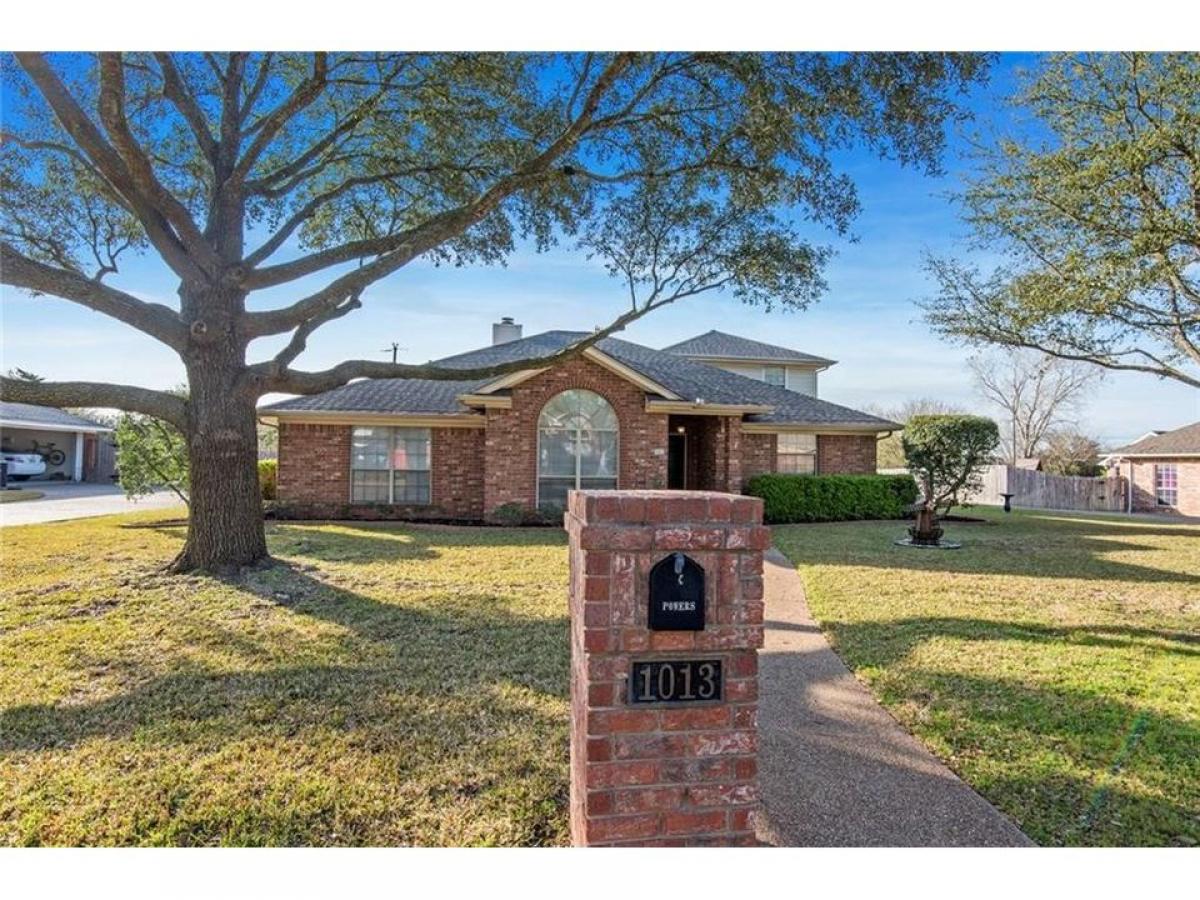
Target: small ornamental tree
946	455
151	454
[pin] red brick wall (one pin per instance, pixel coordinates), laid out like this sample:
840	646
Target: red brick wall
510	473
456	460
758	454
655	774
1143	486
846	454
314	464
314	474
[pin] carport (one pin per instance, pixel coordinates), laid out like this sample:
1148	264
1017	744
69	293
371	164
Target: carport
87	452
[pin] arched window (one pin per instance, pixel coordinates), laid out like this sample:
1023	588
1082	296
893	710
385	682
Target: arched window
577	446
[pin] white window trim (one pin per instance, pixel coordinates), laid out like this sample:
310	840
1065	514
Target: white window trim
537	460
812	453
776	366
391	501
1157	501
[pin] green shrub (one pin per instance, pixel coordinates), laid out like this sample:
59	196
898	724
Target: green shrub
268	473
833	498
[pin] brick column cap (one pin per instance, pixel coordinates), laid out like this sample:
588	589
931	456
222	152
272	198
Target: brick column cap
647	507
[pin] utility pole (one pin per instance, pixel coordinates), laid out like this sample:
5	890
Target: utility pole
394	349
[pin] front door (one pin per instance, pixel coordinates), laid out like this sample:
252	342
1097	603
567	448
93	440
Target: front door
677	461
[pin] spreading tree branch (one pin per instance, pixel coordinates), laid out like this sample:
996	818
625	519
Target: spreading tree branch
168	407
154	319
109	164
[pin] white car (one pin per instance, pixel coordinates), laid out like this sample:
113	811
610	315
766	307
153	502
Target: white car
23	465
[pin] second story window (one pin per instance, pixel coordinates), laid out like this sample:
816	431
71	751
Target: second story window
776	375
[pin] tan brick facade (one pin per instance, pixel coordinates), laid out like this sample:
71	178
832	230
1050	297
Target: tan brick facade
1144	500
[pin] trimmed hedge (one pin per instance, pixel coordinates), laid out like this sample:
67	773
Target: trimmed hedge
833	498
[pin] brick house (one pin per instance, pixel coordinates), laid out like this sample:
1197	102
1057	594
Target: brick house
706	414
1163	471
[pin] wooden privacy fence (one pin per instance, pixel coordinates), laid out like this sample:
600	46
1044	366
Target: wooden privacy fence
1041	490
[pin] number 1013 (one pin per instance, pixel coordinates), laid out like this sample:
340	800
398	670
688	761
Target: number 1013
675	681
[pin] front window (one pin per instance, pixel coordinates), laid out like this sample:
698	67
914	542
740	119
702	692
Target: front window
776	375
796	454
389	465
1166	485
577	446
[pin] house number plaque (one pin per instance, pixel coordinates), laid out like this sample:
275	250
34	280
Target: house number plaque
675	681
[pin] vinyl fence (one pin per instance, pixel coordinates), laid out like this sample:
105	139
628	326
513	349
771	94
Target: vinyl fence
1040	490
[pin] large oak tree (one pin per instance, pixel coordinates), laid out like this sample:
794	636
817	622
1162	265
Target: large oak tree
684	173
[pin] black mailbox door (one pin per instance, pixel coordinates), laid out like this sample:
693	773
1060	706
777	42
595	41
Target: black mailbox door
676	594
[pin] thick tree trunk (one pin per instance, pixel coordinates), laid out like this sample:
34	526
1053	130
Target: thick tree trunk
225	521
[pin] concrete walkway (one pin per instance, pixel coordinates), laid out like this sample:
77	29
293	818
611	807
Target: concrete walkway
68	500
835	768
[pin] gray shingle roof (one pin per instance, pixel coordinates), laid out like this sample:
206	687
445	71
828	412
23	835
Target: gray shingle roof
719	345
683	377
397	395
1181	440
44	415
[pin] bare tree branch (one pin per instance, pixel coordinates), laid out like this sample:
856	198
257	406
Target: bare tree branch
112	115
175	90
167	407
269	377
109	164
154	319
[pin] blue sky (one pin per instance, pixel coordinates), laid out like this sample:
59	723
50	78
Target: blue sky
867	320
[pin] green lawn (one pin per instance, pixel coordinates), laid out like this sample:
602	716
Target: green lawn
386	686
1053	662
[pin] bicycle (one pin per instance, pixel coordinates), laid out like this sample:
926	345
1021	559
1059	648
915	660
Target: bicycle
53	456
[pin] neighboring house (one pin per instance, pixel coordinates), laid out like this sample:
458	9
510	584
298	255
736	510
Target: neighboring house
1163	471
73	447
619	415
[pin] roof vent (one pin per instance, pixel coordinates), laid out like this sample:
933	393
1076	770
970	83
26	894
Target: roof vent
505	330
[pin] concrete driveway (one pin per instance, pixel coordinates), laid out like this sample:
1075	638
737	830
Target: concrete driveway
67	500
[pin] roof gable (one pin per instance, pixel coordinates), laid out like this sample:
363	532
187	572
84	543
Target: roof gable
680	379
1185	440
721	345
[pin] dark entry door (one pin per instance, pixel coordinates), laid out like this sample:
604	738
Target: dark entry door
677	462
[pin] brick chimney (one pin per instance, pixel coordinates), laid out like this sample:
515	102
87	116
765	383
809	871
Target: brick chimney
505	330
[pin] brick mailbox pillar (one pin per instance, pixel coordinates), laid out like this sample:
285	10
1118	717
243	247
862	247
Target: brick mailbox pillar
666	621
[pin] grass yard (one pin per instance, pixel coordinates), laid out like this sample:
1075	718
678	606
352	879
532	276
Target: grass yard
1053	662
16	495
387	685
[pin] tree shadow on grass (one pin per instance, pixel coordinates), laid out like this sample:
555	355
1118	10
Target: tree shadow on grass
883	642
1073	767
1026	545
456	695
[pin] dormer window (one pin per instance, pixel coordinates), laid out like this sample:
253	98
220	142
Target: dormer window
776	375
